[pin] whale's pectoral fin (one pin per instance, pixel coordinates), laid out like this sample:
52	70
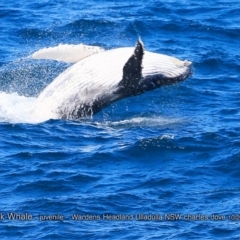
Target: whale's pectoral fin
68	53
132	70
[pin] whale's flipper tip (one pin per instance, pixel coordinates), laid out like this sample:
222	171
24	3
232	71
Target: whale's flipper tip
139	50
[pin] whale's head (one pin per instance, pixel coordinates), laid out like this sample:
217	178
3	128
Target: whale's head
145	71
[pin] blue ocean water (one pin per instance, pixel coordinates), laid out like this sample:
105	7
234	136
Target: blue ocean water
121	173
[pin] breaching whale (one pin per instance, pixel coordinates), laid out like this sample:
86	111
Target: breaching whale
98	80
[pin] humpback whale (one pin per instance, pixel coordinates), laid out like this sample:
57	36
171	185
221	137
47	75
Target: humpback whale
101	78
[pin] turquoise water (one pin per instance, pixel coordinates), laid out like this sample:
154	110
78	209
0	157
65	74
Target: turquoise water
174	150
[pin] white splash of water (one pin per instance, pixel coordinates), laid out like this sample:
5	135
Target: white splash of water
15	108
19	109
145	122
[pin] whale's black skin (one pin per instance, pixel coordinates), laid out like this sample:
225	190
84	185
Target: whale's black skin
94	83
132	72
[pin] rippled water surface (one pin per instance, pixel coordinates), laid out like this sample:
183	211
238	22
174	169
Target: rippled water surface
175	150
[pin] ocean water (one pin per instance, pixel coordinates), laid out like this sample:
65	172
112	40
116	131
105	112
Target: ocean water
162	165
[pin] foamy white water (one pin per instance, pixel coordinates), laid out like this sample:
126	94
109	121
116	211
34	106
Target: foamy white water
16	109
19	109
145	121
